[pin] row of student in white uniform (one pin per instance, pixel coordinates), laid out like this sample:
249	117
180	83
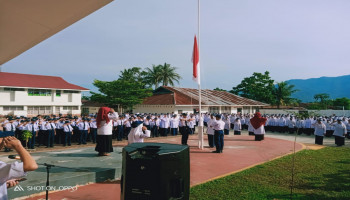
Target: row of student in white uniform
218	126
159	125
292	124
48	131
339	132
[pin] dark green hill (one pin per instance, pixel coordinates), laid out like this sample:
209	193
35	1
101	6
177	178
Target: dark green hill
336	87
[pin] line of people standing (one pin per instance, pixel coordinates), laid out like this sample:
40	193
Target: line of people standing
51	130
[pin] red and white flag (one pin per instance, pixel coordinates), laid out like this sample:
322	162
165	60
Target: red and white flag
195	60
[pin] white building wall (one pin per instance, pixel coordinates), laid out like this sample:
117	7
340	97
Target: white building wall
319	112
183	109
21	98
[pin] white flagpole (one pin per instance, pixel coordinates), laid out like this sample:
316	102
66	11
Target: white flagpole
200	123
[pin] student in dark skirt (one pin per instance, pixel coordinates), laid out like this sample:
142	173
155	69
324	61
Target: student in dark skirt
339	133
250	128
104	130
237	127
258	123
320	131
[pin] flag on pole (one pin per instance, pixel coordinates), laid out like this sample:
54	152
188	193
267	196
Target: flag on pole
195	60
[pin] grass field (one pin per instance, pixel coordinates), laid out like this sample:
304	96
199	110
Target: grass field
319	174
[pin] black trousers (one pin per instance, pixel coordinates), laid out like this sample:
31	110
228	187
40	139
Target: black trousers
186	132
318	139
219	140
211	140
259	137
339	141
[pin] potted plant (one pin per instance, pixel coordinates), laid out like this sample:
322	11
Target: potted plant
26	135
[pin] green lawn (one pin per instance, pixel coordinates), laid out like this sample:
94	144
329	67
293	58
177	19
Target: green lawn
319	174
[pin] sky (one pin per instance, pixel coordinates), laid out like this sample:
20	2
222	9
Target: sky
293	39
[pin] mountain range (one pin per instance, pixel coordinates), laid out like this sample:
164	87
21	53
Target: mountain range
336	87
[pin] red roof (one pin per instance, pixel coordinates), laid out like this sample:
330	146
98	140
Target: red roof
36	81
166	95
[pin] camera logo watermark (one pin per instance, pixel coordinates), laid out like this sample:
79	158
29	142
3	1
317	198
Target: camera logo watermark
18	188
39	188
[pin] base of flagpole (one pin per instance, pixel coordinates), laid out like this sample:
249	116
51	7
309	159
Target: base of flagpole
200	137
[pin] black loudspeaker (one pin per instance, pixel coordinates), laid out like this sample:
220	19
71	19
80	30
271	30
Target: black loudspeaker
155	171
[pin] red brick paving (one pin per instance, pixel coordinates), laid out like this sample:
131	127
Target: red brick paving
240	152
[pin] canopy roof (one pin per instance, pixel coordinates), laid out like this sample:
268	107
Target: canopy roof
36	81
166	95
25	23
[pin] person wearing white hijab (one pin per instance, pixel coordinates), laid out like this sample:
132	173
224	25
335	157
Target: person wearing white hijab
138	132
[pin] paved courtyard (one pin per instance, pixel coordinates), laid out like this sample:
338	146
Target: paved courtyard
80	166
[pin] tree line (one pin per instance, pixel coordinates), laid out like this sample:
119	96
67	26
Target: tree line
262	88
134	85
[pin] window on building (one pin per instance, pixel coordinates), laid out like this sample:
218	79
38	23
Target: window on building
14	89
70	108
225	109
37	92
214	109
85	111
36	110
58	93
70	91
13	108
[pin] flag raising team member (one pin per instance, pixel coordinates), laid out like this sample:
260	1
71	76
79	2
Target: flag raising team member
138	132
104	130
258	123
218	126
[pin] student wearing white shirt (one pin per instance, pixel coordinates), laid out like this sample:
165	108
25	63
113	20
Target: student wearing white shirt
42	132
68	131
186	129
210	131
191	122
84	130
300	125
120	128
320	131
348	129
146	122
138	132
127	126
339	132
237	127
307	126
174	125
218	127
93	129
50	133
329	128
291	125
227	125
104	130
32	127
59	131
164	125
258	122
115	129
11	173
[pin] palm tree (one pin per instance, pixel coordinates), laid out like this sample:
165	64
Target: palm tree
168	74
283	93
153	76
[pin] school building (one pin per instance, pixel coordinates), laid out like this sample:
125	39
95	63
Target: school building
177	100
30	95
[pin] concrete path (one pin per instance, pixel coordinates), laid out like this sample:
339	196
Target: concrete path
240	152
307	140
